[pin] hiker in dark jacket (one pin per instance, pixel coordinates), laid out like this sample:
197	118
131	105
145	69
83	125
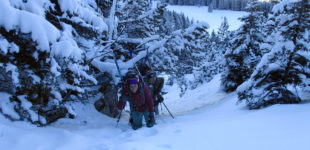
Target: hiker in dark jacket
140	102
155	84
144	68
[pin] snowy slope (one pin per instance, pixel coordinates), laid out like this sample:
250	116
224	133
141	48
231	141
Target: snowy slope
206	118
221	126
214	19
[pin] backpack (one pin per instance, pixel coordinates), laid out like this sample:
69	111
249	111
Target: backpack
144	68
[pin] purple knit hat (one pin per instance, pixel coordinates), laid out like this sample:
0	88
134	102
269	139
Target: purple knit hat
133	81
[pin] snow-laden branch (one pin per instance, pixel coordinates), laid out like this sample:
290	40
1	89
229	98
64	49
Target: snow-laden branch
142	54
110	67
42	31
150	12
140	41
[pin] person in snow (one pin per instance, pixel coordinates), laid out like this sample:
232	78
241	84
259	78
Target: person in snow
155	84
144	68
140	101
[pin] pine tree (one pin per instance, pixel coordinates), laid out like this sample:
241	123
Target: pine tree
181	54
47	74
136	21
222	44
132	18
244	54
268	27
223	32
213	61
282	76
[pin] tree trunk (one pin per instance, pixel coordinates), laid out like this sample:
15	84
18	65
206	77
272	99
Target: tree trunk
111	20
210	8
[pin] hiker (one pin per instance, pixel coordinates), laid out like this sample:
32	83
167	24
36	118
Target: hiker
144	68
140	101
155	84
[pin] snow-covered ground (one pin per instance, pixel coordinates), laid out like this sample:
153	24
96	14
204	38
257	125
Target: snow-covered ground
206	118
214	19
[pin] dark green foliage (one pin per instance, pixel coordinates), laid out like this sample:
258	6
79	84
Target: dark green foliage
282	77
245	52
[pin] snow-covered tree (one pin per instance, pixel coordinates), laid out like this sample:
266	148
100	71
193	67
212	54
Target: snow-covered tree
267	27
245	53
43	57
134	17
174	21
223	31
283	74
135	23
220	44
181	54
53	52
224	35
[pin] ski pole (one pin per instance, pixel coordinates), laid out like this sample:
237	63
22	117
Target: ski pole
119	72
139	74
119	118
168	110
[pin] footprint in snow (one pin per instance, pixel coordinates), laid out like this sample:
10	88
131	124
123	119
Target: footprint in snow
165	146
177	131
150	132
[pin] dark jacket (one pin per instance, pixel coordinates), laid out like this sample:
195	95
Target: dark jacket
157	86
136	100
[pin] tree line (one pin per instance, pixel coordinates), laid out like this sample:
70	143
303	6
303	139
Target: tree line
237	5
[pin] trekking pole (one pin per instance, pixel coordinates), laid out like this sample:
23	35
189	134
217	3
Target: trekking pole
168	110
119	118
137	69
139	74
119	72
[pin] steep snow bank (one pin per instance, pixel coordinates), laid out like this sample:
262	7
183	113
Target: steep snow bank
204	95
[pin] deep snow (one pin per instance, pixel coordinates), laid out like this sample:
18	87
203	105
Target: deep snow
198	126
206	118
